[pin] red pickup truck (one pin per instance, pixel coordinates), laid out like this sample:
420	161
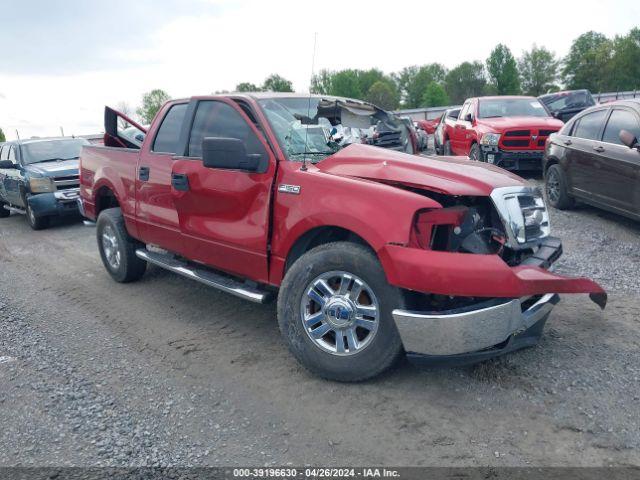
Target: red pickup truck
372	252
508	131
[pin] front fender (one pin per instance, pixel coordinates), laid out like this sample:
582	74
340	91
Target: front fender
471	275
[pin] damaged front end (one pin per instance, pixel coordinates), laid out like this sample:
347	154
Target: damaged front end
477	276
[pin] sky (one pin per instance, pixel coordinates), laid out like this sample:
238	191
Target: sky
62	61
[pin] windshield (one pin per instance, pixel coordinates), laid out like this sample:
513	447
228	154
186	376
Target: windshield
568	100
48	150
314	128
511	107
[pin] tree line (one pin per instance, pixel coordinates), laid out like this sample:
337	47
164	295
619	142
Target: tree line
594	61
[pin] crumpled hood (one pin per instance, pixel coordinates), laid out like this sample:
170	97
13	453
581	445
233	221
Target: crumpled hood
502	123
449	175
61	168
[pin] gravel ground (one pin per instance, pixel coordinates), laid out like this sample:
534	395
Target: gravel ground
167	372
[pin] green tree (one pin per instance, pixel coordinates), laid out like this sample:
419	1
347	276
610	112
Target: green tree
538	70
2	137
464	81
413	82
321	82
588	63
503	71
383	95
276	83
435	96
247	87
151	103
345	83
625	64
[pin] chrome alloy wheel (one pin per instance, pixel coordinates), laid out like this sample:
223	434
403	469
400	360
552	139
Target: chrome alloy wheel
111	247
340	313
553	186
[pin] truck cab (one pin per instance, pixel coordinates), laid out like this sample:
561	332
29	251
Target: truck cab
508	131
372	253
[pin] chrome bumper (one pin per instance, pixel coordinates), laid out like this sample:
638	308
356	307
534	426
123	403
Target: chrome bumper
69	195
456	332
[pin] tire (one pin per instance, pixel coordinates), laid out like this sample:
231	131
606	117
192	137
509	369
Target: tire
36	223
375	348
474	153
4	213
555	183
447	148
117	248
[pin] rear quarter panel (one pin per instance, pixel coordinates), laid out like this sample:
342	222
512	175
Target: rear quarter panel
112	168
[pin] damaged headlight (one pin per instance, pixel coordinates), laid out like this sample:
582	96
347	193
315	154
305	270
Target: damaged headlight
41	185
524	213
490	139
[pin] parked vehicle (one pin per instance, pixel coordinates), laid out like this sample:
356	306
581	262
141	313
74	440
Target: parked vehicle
595	158
448	117
423	137
373	252
564	105
508	131
39	178
429	126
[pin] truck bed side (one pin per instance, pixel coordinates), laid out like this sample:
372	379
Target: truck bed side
108	174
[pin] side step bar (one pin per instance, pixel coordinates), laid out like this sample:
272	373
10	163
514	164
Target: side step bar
226	284
15	209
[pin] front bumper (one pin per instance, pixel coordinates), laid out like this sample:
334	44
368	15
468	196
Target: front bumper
60	203
512	160
471	330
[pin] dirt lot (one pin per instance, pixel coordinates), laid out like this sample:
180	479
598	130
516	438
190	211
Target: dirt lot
166	371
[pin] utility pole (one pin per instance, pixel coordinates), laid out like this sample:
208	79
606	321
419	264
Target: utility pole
62	131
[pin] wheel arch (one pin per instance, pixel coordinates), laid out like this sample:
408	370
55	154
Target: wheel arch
319	236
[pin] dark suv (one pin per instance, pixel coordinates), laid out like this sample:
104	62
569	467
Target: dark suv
40	178
595	158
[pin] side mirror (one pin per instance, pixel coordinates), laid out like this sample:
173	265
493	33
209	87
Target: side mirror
228	153
468	118
7	164
629	139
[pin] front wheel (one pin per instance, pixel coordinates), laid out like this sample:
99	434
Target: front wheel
35	222
334	312
117	248
474	153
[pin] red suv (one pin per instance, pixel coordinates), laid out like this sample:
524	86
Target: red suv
506	131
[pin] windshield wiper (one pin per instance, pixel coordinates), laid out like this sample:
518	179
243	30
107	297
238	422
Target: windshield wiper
493	116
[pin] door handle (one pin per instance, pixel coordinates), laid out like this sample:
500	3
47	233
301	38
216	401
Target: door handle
143	173
568	142
598	148
180	181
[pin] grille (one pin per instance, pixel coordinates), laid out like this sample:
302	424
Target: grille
65	183
518	133
546	133
516	143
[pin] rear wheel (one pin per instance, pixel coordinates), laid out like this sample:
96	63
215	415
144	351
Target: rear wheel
334	312
557	189
35	222
117	248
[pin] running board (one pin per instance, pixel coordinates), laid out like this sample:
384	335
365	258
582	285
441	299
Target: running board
15	209
226	284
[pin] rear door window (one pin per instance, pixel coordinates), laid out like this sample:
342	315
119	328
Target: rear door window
168	136
620	120
590	126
